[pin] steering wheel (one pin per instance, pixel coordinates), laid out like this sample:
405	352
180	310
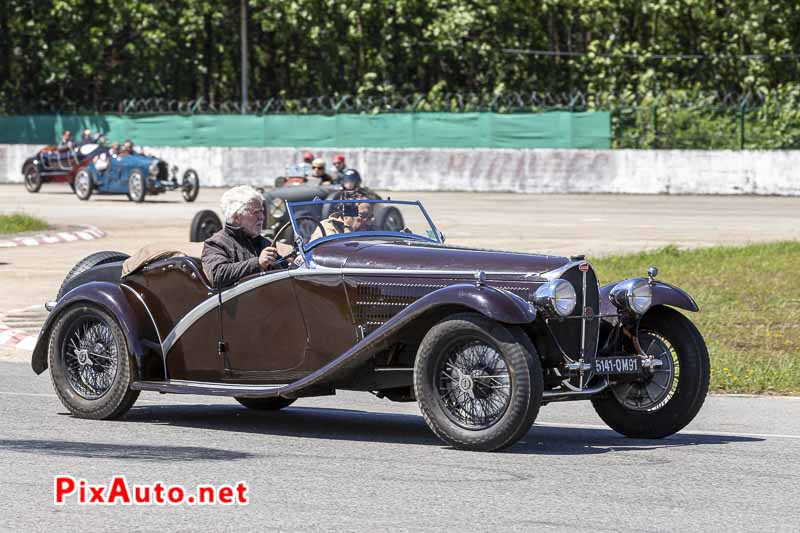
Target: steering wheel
305	218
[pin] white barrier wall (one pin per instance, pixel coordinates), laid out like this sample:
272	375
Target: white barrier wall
531	171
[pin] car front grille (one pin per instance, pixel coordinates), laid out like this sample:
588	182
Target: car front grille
578	335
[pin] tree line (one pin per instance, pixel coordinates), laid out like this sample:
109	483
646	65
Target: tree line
57	53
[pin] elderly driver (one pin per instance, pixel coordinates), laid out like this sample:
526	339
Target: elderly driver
238	249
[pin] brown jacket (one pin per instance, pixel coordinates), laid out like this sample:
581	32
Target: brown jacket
230	254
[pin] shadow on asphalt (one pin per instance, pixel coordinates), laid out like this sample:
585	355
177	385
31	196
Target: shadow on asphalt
141	452
120	198
364	426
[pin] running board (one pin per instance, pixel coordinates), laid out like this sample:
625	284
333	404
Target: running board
178	386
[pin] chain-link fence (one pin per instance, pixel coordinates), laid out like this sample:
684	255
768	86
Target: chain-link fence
670	121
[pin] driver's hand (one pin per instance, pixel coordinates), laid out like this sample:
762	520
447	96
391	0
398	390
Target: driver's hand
267	257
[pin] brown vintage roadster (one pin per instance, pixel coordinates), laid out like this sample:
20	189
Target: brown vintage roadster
479	339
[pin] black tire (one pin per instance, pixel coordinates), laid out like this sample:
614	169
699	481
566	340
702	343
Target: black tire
684	398
33	178
91	261
190	186
83	185
204	224
137	186
391	220
275	403
522	371
72	387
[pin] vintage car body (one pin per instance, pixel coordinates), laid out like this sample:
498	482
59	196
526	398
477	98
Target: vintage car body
134	175
388	313
51	165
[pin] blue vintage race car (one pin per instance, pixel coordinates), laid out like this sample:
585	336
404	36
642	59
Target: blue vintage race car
136	175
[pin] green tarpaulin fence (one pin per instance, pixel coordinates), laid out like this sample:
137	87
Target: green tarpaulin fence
391	130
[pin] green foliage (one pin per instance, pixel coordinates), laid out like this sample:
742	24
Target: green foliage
20	222
749	302
64	54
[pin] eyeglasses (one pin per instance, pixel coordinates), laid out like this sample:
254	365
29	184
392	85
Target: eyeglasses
317	168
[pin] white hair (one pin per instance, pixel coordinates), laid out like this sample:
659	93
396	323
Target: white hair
235	200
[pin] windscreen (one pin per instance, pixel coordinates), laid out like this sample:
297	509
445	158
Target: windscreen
329	219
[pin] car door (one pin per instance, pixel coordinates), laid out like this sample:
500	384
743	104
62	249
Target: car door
264	330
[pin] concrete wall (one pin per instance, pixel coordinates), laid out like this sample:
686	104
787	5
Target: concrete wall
526	170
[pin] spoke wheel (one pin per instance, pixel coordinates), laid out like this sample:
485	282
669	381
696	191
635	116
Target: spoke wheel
91	358
90	365
666	399
478	385
474	384
659	386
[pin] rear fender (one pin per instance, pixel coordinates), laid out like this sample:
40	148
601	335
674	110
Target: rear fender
110	297
663	294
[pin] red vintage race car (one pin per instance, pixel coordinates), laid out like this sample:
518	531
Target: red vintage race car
51	165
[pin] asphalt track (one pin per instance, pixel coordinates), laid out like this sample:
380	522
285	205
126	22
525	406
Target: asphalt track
354	462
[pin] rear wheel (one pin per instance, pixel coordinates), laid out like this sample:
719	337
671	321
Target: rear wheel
391	220
33	178
477	387
83	185
91	261
666	400
90	365
204	224
137	188
265	404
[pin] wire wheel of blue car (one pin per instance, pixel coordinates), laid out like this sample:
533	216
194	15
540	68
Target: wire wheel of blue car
137	187
666	399
90	365
33	178
190	185
478	388
83	184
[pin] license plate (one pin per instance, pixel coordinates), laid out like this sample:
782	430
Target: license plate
617	365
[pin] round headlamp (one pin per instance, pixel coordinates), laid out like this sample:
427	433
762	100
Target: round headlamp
557	296
276	208
635	295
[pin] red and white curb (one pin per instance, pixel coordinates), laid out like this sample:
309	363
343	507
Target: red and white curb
15	338
83	233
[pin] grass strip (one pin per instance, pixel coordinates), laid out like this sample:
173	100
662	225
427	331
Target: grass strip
749	298
20	222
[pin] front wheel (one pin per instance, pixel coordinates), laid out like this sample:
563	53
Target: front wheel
137	188
666	400
478	388
190	186
33	179
90	365
265	404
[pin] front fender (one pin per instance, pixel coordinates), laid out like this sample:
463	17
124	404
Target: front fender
110	297
663	294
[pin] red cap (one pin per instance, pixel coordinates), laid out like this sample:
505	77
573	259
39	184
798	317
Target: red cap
307	156
338	157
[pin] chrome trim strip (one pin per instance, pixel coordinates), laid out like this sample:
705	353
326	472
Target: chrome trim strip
583	310
212	302
179	386
155	326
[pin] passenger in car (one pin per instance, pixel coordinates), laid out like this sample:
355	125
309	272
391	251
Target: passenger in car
346	218
238	249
